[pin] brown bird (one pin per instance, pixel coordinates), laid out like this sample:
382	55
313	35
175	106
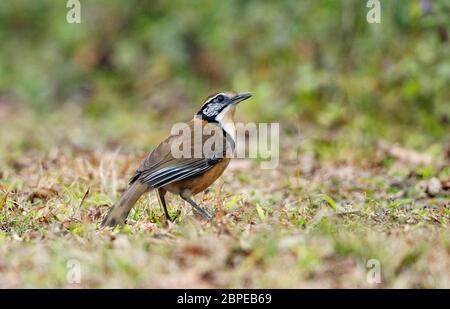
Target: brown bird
165	170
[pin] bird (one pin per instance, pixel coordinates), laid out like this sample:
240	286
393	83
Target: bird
164	170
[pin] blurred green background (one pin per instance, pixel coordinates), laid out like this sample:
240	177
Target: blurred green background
82	104
310	62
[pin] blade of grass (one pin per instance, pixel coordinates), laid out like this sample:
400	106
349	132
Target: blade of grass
232	203
329	200
261	213
3	200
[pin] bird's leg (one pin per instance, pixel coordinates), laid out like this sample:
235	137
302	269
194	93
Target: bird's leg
185	195
162	201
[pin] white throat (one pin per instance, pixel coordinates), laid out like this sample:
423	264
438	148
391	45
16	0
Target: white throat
226	121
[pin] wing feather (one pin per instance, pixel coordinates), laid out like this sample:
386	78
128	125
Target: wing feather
161	168
176	172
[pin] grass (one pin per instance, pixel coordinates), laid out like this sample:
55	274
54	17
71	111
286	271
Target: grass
334	203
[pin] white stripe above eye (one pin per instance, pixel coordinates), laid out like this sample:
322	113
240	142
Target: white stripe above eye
214	97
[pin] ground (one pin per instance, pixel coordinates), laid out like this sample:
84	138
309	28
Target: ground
335	211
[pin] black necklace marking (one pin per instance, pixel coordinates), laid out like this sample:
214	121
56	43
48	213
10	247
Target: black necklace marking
226	134
229	138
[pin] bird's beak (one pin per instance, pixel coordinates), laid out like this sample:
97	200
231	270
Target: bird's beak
240	97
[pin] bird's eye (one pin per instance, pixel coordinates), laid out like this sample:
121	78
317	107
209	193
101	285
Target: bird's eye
220	98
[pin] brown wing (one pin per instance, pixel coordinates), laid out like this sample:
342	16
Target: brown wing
161	167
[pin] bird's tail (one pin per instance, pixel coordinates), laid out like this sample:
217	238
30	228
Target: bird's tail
119	212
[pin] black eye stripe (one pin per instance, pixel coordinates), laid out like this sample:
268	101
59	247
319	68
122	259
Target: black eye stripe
220	98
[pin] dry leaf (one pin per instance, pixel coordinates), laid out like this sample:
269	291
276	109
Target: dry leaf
43	194
404	154
94	213
445	183
195	250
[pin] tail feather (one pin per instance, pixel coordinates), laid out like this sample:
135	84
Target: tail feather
119	212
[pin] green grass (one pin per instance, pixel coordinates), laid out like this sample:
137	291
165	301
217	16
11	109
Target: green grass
81	105
311	222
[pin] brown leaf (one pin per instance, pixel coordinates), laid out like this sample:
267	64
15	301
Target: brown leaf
43	194
195	250
445	183
94	213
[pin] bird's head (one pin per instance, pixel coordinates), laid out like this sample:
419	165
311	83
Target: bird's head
221	106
